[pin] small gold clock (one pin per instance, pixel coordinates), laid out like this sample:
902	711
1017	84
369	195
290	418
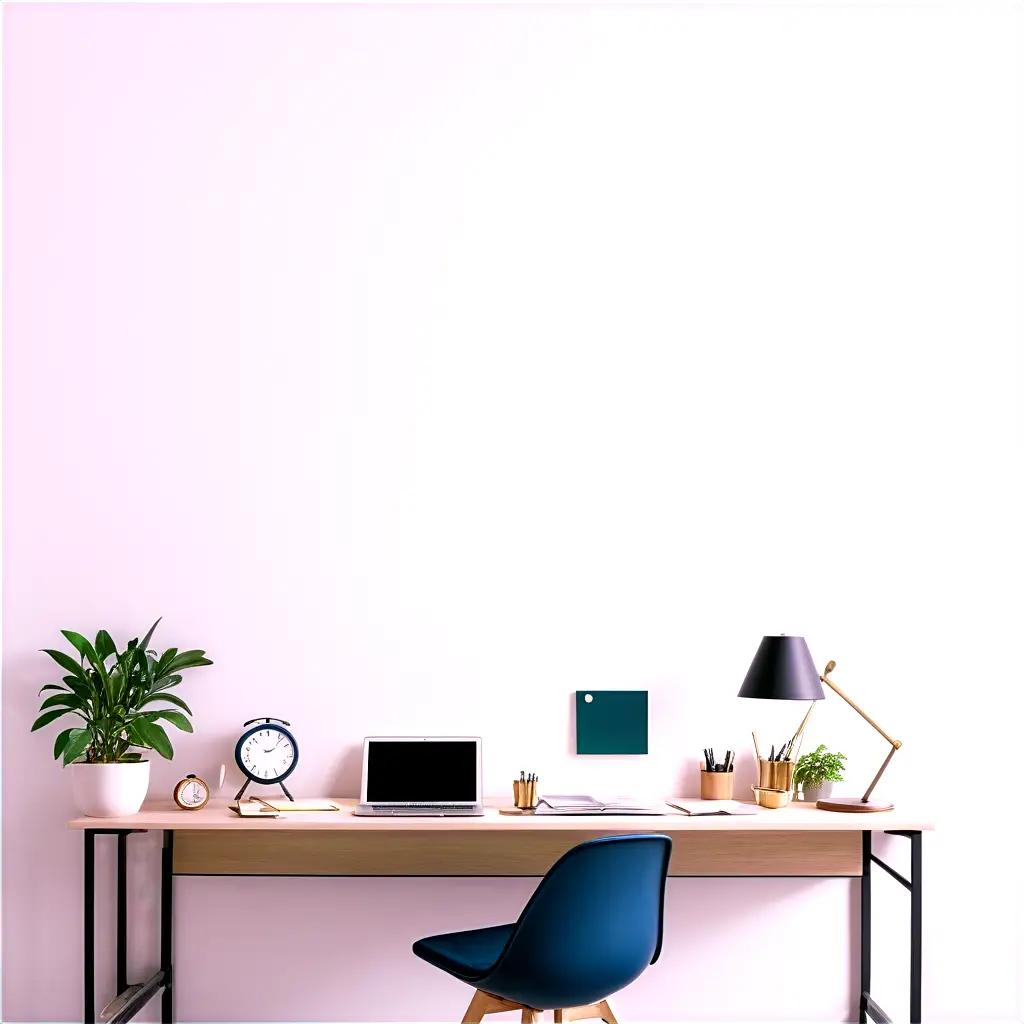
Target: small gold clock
191	793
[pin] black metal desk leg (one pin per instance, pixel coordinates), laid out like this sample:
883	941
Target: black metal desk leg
89	918
122	911
915	927
166	937
865	926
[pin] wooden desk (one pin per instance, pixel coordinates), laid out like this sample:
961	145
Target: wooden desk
796	841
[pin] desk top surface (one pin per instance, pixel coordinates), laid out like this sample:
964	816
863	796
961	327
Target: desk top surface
797	817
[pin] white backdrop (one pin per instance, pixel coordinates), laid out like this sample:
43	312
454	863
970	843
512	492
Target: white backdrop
510	350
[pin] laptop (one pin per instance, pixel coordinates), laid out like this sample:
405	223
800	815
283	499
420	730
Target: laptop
421	776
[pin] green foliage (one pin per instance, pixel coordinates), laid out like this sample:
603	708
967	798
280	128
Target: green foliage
119	698
819	766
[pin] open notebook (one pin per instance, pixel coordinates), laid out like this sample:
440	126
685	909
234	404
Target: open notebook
595	805
699	807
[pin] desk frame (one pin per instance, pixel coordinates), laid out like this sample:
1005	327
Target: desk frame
131	998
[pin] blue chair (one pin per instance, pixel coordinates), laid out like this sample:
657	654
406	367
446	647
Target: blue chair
592	926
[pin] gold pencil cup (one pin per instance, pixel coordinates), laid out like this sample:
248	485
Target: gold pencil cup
775	774
715	785
524	795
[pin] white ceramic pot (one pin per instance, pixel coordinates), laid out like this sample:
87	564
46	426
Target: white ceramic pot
109	790
818	791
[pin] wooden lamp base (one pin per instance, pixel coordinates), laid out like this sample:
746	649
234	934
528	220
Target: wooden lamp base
853	803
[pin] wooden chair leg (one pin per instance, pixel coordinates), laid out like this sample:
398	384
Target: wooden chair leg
595	1011
477	1008
484	1003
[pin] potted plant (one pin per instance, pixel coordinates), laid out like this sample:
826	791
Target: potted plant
816	771
120	698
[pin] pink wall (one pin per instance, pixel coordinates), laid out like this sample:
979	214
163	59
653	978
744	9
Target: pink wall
388	353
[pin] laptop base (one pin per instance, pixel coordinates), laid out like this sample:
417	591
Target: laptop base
400	811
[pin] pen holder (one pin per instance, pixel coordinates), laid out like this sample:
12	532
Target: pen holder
775	774
715	785
524	795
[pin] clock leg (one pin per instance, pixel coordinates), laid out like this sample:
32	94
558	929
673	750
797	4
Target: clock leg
245	786
286	793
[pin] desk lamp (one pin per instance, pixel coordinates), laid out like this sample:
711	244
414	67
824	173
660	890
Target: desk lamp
782	669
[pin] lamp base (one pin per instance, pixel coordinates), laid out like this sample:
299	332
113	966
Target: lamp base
853	803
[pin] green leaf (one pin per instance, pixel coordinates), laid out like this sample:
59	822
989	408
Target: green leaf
169	697
149	734
81	688
144	643
145	664
87	651
188	659
104	645
66	662
160	668
50	716
67	700
77	743
54	686
165	684
174	717
60	743
80	644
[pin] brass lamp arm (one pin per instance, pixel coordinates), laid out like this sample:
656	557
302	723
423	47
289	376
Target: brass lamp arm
860	711
896	744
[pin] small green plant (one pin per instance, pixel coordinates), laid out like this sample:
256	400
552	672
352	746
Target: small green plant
110	691
819	766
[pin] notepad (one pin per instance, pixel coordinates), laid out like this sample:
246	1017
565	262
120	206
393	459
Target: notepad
299	805
253	809
696	808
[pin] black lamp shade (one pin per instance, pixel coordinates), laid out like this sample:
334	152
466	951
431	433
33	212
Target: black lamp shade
782	669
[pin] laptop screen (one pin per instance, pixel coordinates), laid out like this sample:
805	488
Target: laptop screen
421	771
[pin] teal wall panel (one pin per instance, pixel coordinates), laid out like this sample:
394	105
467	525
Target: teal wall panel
611	722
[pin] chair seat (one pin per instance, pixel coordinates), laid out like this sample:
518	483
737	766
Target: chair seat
467	955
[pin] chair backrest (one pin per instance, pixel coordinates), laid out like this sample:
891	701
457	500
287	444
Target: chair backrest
592	926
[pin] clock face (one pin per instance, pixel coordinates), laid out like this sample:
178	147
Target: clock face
192	793
267	753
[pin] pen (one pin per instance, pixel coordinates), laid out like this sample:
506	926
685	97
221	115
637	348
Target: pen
771	756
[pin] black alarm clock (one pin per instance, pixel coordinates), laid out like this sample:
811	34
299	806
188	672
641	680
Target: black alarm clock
266	753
